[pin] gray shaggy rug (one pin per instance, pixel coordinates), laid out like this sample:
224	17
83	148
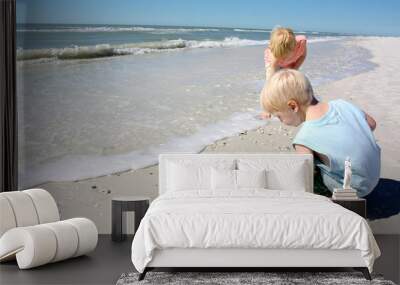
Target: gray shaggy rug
231	278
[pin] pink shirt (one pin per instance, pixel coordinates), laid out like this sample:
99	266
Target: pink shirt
299	50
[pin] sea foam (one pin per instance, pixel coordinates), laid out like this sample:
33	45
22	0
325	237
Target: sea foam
79	167
107	50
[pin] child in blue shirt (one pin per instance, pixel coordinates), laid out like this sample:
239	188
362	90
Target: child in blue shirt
330	131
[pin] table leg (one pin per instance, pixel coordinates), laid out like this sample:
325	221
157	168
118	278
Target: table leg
140	211
116	221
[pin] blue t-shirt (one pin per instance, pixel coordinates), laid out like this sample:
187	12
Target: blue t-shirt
340	133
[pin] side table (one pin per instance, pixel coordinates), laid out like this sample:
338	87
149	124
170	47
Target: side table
121	204
358	206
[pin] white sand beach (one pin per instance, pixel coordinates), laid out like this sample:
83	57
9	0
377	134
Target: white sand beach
375	91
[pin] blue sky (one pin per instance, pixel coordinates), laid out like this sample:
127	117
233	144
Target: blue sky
349	16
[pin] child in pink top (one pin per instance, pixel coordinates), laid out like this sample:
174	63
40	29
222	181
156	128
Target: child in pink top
285	51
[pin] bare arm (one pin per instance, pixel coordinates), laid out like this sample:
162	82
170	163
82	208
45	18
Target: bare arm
270	70
301	149
271	65
371	121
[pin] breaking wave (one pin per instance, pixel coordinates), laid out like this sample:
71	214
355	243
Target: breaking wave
107	50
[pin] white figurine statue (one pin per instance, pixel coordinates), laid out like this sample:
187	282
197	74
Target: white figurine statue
347	174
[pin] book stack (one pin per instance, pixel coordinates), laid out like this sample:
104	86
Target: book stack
344	194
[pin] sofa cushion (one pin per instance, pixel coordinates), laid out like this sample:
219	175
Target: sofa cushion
7	215
45	205
23	208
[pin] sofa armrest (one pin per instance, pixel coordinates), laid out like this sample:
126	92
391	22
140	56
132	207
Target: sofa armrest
32	246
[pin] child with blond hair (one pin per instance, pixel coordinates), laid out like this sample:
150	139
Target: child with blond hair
285	50
331	131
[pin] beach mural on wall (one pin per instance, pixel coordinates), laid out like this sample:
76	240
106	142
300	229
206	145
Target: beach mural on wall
117	96
99	102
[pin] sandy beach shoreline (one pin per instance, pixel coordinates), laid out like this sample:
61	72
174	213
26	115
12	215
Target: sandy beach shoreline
374	91
157	105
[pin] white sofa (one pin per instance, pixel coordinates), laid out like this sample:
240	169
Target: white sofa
31	231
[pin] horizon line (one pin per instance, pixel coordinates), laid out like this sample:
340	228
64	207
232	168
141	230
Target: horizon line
161	25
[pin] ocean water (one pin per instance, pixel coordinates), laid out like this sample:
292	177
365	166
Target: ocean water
95	100
41	41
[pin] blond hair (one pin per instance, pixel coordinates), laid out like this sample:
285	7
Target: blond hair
285	85
282	42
